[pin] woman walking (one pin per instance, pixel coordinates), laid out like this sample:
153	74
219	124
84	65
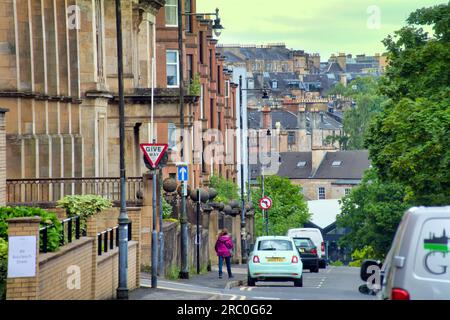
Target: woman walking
224	247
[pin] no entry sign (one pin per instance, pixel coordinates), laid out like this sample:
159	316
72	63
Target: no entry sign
265	203
154	152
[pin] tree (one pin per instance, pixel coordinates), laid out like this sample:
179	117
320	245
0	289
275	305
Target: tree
289	209
372	212
226	190
409	141
368	102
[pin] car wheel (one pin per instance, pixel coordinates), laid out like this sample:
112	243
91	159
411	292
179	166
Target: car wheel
250	281
298	282
322	264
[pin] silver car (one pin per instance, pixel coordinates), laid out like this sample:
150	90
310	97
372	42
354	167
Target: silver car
417	266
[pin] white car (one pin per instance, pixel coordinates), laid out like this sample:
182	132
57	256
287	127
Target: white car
316	236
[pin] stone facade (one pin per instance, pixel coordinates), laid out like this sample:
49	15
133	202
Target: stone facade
2	157
59	79
214	107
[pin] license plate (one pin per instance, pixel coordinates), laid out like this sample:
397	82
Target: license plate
302	250
275	259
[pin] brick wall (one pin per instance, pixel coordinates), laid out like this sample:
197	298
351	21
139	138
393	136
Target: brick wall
59	273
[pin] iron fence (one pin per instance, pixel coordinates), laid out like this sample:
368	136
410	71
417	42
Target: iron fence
109	239
47	191
70	230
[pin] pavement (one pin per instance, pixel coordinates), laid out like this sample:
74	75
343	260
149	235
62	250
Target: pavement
333	283
205	286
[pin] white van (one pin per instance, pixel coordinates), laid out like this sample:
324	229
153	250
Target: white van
418	265
316	236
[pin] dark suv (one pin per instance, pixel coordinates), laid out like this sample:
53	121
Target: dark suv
308	253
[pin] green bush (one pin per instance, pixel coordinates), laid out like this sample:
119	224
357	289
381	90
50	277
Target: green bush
47	219
358	256
167	209
337	263
3	267
194	86
84	206
226	190
173	273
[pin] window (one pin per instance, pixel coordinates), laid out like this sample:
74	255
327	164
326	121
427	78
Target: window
348	191
171	13
211	70
322	194
172	68
211	113
172	136
200	48
275	245
227	89
301	164
202	102
291	138
274	84
188	9
190	70
336	163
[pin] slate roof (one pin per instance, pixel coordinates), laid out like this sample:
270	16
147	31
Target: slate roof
353	165
351	170
288	120
290	165
256	53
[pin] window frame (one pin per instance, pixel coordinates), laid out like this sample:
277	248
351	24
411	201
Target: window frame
165	17
319	193
177	63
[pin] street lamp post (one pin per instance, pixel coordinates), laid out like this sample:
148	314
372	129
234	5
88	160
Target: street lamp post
217	27
184	273
243	231
243	224
122	290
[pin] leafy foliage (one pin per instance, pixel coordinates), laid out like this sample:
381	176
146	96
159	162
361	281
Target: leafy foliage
372	211
194	86
289	208
409	142
368	102
3	267
226	190
47	219
359	256
167	209
84	206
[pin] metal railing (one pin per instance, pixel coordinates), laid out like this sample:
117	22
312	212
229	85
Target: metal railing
47	191
70	230
106	239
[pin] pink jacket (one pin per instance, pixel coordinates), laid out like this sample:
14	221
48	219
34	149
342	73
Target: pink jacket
223	246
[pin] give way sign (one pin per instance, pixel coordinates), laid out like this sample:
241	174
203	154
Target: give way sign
265	203
154	152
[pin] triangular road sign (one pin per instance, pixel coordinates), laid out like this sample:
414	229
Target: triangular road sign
154	152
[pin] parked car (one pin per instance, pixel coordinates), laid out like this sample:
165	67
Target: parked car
316	236
275	258
308	253
417	266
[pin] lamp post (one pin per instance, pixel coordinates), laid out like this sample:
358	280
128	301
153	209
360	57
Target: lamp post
122	290
217	27
243	223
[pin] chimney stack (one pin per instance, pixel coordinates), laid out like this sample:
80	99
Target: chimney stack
266	118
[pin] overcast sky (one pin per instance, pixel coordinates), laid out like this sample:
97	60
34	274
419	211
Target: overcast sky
323	26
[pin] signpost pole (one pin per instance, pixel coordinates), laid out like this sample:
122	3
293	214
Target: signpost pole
154	236
161	233
198	231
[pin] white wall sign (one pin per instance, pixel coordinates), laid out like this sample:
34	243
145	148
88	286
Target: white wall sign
22	257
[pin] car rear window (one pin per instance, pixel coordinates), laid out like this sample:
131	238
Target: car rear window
304	243
275	245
